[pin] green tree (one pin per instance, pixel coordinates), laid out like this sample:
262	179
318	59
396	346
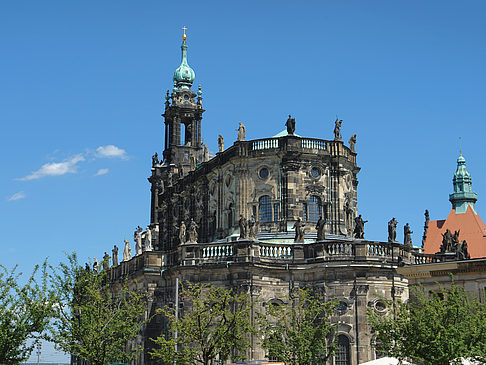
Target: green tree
215	323
432	329
25	311
95	319
299	332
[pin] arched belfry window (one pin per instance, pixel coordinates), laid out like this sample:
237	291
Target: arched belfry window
342	352
264	209
314	208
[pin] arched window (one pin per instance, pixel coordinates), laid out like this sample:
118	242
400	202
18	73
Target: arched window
315	208
342	352
264	209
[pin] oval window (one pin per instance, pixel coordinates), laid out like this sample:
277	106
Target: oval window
315	172
263	173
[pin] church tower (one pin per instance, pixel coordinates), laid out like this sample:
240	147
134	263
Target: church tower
463	195
183	148
182	118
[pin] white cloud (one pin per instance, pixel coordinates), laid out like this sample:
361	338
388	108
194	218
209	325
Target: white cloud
111	151
102	172
56	168
17	196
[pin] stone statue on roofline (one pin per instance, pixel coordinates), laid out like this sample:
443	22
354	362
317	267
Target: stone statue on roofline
392	230
137	237
96	266
220	143
241	132
299	231
106	261
462	252
155	159
321	235
148	240
114	256
290	124
127	252
337	129
252	228
193	231
407	235
243	223
359	227
182	232
352	143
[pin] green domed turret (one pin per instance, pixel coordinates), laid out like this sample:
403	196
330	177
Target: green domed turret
184	75
463	195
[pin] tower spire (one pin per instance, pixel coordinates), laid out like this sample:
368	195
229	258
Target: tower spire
463	195
184	75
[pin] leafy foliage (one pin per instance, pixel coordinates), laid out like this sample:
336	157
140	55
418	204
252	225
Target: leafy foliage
433	329
94	320
300	332
24	313
215	323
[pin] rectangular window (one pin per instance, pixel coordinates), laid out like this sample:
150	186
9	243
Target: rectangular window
304	211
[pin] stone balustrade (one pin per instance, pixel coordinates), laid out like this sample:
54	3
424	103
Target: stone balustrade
339	251
264	144
275	251
313	144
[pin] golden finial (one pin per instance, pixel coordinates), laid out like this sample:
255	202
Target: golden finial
184	36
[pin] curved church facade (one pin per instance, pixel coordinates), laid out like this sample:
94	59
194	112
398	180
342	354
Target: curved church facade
276	189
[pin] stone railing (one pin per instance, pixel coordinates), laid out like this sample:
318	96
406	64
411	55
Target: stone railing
217	251
379	249
313	144
264	144
339	251
274	251
423	258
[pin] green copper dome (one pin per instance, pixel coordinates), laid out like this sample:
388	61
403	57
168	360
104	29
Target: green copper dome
184	75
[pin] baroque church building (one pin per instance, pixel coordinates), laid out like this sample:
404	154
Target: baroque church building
263	217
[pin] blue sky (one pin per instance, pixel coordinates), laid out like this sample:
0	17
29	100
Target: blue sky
82	86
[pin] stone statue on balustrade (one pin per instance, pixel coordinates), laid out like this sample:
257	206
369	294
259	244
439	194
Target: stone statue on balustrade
455	241
352	143
182	232
243	223
392	230
359	227
337	129
106	261
407	235
241	132
114	255
137	237
299	231
321	235
220	143
290	124
96	266
127	252
446	242
252	228
193	231
148	240
155	159
462	252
